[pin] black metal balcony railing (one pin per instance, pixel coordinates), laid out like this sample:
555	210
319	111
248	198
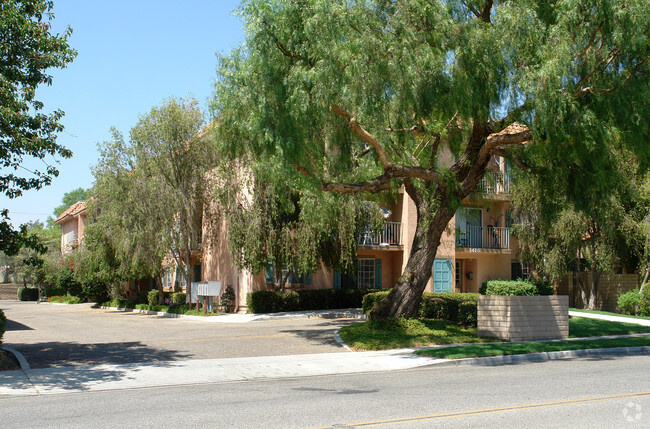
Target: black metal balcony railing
478	237
494	183
390	236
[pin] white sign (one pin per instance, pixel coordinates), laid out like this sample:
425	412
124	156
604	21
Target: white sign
205	289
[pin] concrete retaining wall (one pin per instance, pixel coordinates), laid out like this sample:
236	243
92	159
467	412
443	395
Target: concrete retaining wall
523	318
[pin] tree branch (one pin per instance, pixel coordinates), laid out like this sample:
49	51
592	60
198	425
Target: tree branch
592	39
365	135
378	184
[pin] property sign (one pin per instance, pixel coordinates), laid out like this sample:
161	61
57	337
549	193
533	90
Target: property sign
205	289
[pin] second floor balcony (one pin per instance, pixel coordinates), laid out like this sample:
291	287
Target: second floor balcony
494	183
479	237
390	236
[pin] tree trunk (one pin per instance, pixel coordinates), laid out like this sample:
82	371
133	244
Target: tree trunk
595	277
404	299
161	292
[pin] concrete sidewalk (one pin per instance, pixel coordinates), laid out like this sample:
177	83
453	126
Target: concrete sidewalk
634	320
196	371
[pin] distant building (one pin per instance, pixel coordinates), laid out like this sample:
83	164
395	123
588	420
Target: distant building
73	223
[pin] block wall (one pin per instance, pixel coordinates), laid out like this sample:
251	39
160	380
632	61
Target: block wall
523	318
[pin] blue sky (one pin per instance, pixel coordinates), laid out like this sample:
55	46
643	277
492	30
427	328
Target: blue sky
131	56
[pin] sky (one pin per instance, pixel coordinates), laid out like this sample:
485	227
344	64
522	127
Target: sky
132	55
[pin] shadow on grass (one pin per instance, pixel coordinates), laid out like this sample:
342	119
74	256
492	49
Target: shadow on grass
585	327
401	333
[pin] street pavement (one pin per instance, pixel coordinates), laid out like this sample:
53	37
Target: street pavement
576	393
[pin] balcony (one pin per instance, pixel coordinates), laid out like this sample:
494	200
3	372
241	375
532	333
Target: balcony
391	236
494	183
478	237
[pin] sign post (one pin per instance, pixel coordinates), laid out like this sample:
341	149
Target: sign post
207	291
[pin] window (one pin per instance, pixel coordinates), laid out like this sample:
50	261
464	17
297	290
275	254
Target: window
294	277
366	274
168	276
519	271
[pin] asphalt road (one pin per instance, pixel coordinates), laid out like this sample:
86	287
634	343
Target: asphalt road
578	393
63	335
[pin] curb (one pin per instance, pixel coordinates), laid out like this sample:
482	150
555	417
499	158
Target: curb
246	318
548	356
339	340
24	365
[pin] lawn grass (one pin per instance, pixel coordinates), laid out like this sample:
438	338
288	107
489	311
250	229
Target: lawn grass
501	349
609	313
401	333
584	327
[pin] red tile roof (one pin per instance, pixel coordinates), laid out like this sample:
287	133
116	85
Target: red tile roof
73	210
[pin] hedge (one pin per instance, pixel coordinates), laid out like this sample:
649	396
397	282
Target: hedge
515	288
301	300
3	325
635	303
455	307
27	294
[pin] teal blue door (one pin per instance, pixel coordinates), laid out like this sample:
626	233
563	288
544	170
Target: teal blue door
442	275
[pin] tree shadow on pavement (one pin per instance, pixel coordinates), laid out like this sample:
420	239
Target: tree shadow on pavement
322	333
62	354
15	326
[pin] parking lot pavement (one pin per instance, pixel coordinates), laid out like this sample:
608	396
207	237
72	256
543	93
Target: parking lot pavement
63	335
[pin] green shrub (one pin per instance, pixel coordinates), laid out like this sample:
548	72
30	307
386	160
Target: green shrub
317	299
371	299
178	298
227	299
54	291
455	307
66	282
264	302
515	288
644	302
28	294
468	313
152	297
95	291
3	325
628	303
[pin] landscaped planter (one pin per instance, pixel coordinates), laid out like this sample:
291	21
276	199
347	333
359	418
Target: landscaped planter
523	318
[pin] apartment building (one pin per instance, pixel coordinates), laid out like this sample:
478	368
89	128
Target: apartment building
477	246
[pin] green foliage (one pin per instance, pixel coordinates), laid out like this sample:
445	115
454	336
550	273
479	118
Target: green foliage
455	307
152	298
515	288
150	194
178	298
27	51
628	303
95	291
65	299
27	294
65	279
644	302
227	298
70	198
318	299
3	324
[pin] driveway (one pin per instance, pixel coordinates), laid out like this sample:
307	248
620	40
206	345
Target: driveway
63	335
